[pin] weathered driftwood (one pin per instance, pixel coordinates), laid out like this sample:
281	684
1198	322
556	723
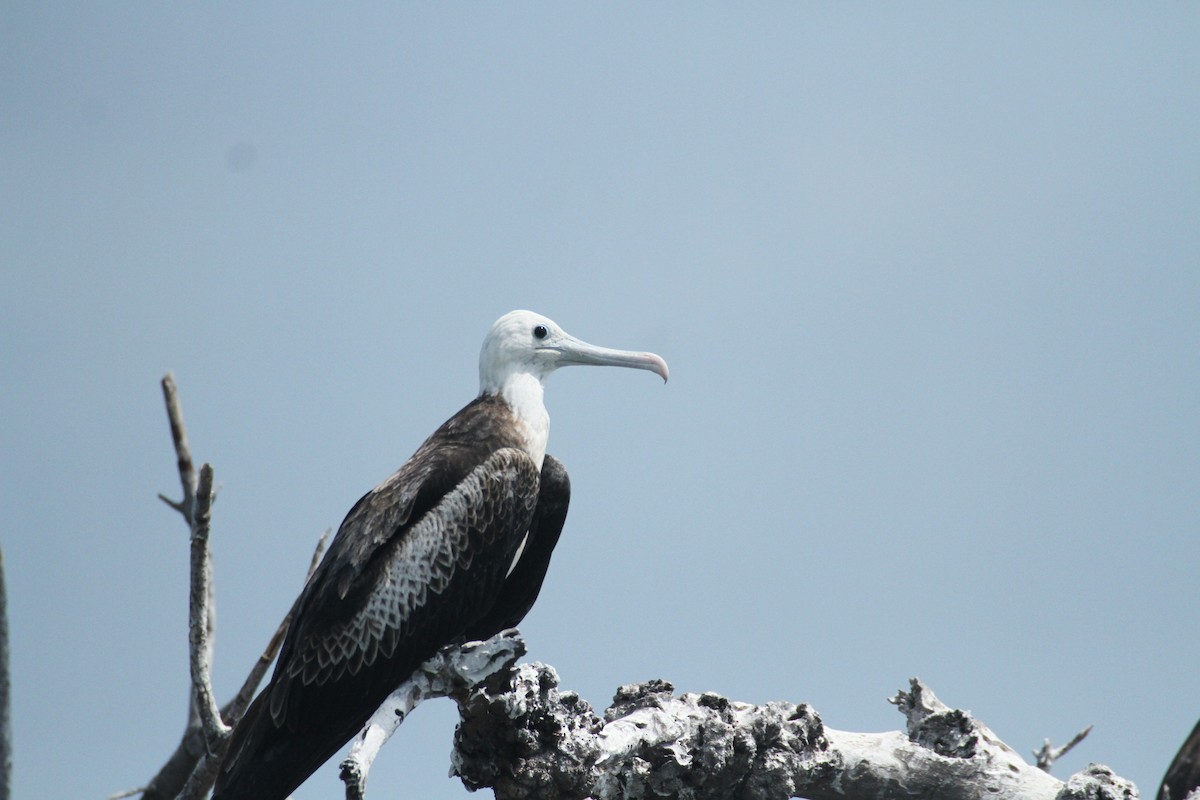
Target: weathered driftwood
526	739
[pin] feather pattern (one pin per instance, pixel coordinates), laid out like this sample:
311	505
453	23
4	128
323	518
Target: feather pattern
468	524
454	554
418	560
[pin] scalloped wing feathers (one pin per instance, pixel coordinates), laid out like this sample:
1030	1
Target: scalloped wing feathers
465	542
418	562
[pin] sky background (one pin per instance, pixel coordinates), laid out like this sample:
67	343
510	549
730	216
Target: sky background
927	277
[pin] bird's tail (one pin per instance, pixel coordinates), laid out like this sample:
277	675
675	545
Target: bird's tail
265	762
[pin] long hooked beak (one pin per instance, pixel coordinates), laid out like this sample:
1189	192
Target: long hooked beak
574	351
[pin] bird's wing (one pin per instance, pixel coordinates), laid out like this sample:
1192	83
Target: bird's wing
523	584
406	579
1183	776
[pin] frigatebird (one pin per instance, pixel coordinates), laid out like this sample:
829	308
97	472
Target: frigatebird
453	547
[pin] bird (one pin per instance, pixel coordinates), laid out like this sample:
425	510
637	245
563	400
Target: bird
452	547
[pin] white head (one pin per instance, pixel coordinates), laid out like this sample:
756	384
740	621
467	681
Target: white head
523	345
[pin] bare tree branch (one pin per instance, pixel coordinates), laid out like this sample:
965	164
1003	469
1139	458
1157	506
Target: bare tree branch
183	453
205	774
529	740
173	777
186	506
194	746
453	671
126	793
526	740
5	694
1048	753
215	728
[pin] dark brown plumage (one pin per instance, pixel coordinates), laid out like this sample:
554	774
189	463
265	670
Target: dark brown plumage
420	561
1183	776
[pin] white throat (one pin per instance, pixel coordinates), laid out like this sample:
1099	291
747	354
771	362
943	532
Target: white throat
523	393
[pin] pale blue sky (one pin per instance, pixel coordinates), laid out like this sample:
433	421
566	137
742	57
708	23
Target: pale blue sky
927	276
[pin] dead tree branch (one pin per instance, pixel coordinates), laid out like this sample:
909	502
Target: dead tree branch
183	453
1048	754
451	673
5	694
189	768
215	729
187	508
526	739
530	740
173	777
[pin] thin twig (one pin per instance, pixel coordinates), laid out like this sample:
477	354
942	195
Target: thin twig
191	769
186	506
127	793
215	728
173	504
1048	754
5	688
318	554
183	453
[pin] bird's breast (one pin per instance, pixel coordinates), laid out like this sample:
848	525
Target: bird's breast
523	394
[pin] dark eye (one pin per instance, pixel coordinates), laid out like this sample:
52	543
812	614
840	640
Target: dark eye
540	332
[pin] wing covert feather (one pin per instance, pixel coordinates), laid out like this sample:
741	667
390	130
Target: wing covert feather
457	553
